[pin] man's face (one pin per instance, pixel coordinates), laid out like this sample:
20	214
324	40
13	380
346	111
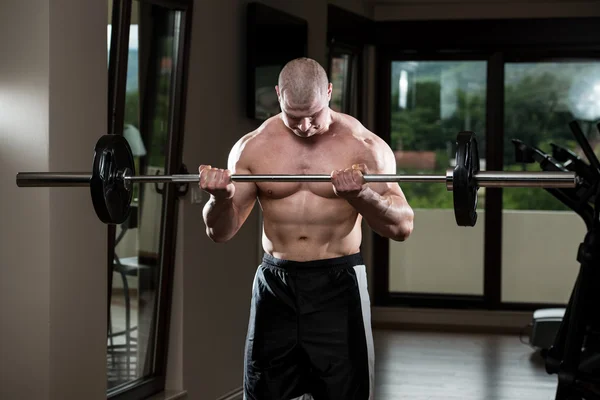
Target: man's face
305	118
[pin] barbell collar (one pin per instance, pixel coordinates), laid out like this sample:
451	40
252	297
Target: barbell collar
449	179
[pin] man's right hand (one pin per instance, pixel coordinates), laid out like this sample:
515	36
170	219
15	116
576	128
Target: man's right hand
216	182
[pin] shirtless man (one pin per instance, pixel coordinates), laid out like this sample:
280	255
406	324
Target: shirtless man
309	332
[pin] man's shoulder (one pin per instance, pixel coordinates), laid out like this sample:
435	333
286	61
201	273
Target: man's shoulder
375	151
253	141
270	126
349	122
359	131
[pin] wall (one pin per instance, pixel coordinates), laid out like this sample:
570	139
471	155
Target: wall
217	277
53	274
24	308
390	10
78	71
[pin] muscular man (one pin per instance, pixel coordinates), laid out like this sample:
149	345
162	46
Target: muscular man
309	334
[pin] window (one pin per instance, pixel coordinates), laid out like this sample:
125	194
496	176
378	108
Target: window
540	99
340	79
347	44
431	102
345	72
345	64
146	81
524	84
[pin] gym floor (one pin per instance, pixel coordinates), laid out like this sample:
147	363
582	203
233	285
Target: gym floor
428	365
458	366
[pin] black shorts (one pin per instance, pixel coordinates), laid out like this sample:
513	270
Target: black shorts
310	331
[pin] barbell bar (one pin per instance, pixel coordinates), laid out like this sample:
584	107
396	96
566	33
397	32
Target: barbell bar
550	179
113	174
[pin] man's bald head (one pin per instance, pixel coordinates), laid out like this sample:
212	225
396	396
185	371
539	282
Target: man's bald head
304	92
303	81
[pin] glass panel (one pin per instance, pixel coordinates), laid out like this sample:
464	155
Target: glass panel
153	44
540	235
265	97
431	102
340	82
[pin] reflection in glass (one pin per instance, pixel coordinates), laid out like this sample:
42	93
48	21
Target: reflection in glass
340	80
152	61
540	234
273	38
266	102
431	102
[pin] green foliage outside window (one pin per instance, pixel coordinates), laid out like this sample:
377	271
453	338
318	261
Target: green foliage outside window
535	112
155	140
155	137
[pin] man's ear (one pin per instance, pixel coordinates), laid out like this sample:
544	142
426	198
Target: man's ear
329	90
277	91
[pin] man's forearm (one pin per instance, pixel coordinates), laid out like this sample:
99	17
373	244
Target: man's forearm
389	216
221	218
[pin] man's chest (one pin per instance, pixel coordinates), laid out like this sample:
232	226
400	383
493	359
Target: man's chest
293	157
305	160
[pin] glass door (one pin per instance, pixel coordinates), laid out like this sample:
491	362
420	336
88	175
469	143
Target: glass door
147	43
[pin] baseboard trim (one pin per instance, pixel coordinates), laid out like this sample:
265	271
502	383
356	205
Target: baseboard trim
450	320
236	394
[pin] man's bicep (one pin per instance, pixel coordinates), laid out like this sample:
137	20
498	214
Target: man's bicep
384	162
388	159
394	188
245	194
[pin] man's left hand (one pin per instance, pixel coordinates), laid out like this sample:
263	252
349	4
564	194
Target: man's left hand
349	182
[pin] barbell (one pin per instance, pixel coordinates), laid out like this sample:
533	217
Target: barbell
113	173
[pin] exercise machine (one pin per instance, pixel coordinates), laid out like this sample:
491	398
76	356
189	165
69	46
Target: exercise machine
574	355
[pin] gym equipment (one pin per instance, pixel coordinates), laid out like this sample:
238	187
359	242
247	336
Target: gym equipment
544	326
574	355
113	174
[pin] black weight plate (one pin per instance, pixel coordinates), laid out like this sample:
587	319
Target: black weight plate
463	179
110	195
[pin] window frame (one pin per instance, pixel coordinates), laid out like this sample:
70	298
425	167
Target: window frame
117	79
352	90
498	41
349	33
